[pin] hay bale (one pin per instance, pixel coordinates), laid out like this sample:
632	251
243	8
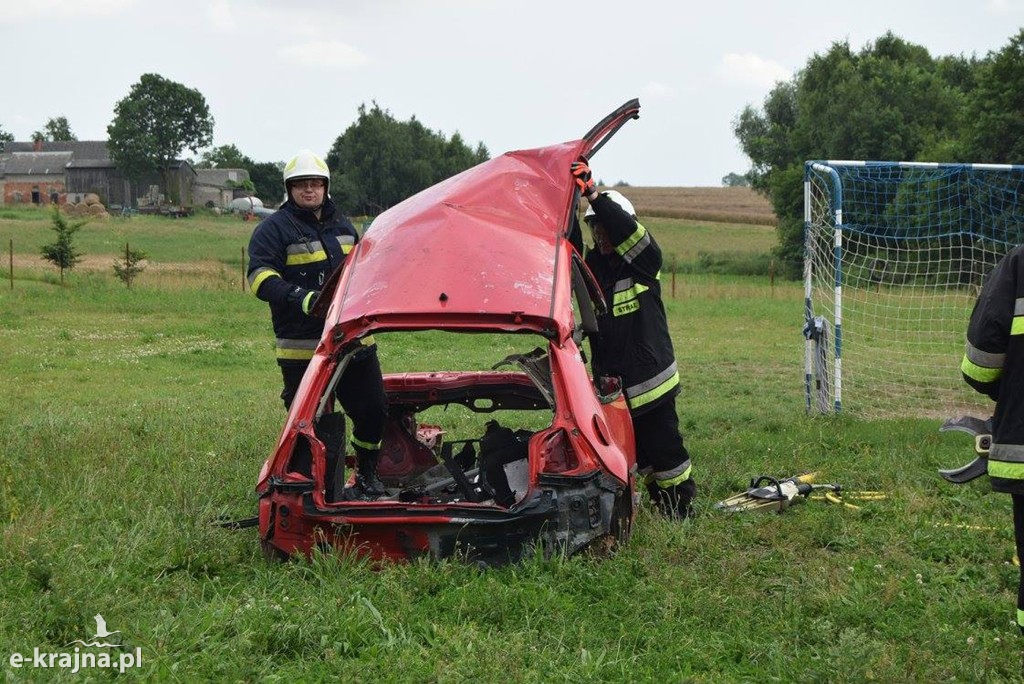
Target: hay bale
96	209
91	198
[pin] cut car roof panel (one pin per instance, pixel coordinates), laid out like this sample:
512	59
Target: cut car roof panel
482	242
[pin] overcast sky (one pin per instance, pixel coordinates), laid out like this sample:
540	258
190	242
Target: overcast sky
283	75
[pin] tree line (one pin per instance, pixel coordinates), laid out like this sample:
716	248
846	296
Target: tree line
375	163
891	100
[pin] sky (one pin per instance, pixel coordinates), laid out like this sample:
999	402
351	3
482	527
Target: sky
515	74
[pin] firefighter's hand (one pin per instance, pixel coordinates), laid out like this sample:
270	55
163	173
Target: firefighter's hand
309	301
584	178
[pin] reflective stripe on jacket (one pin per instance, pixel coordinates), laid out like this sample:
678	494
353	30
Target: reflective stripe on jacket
291	255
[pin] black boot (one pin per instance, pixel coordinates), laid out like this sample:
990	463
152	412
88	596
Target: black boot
368	485
676	502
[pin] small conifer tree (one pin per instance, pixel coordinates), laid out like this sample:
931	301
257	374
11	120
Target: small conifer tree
62	252
130	266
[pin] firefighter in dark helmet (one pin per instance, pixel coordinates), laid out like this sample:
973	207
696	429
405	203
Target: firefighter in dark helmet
633	341
291	254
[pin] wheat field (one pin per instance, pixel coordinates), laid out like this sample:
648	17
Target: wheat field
723	205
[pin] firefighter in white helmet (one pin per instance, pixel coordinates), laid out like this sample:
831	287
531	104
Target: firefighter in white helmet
291	253
633	341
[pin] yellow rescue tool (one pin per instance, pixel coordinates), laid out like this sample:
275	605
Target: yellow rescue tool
767	494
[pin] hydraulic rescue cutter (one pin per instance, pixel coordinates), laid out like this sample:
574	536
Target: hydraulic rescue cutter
770	495
981	430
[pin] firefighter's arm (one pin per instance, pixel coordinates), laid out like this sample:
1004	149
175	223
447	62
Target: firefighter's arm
266	264
632	241
988	332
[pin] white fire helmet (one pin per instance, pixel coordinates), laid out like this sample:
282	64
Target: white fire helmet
305	164
614	196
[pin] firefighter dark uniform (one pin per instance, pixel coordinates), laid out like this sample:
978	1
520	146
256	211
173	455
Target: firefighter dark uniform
993	364
291	254
633	343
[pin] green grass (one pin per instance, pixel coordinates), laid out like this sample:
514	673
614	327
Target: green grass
215	243
685	242
201	237
131	418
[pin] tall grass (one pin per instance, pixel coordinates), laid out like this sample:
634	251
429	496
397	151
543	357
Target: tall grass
723	205
132	418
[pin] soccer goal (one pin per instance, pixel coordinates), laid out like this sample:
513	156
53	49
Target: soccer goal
895	254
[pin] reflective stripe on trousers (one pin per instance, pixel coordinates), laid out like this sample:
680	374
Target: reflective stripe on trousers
654	388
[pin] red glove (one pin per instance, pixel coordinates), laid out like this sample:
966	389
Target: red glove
584	178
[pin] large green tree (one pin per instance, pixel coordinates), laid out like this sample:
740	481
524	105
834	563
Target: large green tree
154	123
379	161
891	101
5	138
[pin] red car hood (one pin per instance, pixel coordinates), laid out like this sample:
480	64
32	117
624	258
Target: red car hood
477	251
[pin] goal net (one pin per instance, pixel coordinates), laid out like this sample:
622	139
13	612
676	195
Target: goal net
895	254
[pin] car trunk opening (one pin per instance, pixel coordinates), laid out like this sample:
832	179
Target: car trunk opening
476	437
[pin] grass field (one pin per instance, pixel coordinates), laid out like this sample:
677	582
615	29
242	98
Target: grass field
211	248
132	418
722	205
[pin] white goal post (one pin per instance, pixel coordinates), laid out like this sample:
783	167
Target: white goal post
895	254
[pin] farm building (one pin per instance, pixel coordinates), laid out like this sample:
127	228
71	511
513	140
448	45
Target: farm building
98	176
180	181
217	187
42	172
36	177
36	172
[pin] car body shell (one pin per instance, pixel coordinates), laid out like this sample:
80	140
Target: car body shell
490	250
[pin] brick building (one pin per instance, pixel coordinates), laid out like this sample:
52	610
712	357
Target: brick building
36	177
43	172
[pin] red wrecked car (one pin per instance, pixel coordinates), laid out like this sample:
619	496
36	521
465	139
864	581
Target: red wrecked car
492	497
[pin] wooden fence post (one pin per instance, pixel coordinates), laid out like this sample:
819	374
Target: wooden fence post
673	264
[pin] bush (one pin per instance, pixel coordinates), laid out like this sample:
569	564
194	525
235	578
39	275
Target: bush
729	263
